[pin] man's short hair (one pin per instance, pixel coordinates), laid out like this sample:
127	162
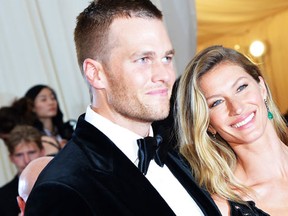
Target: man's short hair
91	32
23	133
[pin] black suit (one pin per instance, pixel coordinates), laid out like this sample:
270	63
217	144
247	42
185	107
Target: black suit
8	201
91	176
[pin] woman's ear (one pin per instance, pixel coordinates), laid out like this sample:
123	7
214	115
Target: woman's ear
211	129
93	71
263	88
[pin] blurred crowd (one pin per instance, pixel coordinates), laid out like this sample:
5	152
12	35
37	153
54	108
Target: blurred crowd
31	127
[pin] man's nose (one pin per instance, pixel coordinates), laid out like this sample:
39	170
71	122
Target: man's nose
162	72
27	159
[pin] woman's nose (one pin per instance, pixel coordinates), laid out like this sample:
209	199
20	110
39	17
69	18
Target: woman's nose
235	107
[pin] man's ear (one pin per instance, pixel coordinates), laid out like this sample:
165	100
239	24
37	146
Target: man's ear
94	74
21	204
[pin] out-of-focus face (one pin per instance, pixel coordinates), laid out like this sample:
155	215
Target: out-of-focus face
140	74
4	136
236	103
45	104
24	153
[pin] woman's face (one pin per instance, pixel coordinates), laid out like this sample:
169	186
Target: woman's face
236	103
45	104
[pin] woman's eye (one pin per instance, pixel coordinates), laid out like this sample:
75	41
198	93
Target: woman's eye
242	87
216	103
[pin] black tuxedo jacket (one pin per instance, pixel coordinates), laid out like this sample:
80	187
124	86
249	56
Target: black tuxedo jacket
8	201
91	176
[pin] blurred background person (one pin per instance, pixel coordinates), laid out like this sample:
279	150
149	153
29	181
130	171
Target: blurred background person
27	180
47	117
39	108
15	114
24	145
8	120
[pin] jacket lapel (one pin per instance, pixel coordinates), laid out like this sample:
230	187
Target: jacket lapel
130	187
183	173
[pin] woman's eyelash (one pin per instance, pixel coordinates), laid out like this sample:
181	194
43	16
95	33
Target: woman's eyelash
216	103
242	87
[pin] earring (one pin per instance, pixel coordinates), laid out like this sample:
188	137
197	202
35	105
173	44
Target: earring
270	115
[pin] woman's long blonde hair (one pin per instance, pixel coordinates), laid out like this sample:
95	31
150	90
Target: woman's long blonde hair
212	160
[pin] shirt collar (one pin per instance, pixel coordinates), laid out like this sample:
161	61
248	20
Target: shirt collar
123	138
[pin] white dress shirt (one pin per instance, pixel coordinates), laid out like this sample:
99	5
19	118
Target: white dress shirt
160	177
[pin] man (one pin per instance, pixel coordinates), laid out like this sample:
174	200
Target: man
126	56
27	180
24	145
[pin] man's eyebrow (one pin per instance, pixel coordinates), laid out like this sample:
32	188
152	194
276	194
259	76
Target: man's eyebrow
144	53
152	53
169	52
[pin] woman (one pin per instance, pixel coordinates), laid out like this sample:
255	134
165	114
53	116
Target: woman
47	117
232	134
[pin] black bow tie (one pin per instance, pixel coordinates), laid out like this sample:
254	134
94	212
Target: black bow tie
149	148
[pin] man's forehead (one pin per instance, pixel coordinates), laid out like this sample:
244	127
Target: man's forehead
26	145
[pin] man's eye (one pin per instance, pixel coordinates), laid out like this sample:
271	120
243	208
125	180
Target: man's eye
167	59
32	152
18	155
242	87
143	60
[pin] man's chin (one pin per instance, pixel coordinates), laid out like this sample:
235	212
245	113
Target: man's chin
161	116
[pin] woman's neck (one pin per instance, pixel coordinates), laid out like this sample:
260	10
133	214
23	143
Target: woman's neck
47	124
261	161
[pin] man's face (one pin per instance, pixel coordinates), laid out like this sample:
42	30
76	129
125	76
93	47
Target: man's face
139	72
24	153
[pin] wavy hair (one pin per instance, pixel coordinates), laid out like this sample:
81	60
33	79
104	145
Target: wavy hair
212	160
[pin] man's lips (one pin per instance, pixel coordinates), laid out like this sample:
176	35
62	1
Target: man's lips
163	91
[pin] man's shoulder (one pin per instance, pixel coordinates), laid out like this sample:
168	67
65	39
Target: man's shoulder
8	194
67	160
71	164
10	186
89	151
